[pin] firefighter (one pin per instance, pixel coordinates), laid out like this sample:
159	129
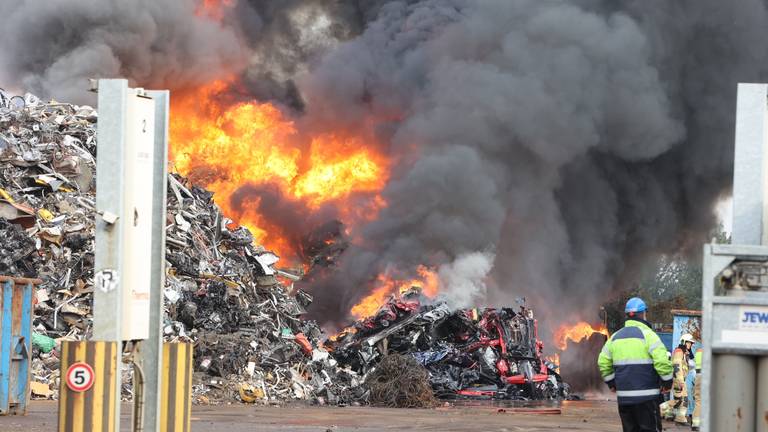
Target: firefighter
635	365
696	420
690	382
680	358
667	411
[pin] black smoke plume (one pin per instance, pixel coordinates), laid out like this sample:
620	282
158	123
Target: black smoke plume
542	148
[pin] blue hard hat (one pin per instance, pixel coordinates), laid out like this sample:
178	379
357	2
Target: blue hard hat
635	304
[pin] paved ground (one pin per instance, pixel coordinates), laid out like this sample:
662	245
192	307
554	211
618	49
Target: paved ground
594	416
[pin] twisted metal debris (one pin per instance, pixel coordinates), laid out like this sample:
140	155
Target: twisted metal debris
399	381
474	353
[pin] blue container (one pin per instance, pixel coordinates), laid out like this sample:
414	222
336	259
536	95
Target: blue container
15	343
666	339
686	321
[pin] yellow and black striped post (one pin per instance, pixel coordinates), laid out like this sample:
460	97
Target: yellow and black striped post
176	410
92	410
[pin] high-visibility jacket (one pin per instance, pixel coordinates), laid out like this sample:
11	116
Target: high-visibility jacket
697	358
634	361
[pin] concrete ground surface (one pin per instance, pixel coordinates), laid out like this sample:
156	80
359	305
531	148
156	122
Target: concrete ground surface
595	416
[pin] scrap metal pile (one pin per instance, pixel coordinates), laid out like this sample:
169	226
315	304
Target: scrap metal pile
474	353
222	292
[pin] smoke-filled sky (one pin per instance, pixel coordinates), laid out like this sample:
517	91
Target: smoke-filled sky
543	148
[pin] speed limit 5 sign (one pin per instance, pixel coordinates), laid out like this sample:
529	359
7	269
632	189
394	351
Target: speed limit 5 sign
80	377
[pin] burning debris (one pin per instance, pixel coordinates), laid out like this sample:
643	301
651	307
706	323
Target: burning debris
222	291
227	295
576	333
271	177
489	353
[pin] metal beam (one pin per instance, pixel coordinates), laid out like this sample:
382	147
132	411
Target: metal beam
729	385
150	353
750	168
110	202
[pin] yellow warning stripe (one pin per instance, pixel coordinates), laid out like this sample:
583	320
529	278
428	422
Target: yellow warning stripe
112	357
180	393
97	419
177	388
78	399
188	388
92	410
65	347
165	404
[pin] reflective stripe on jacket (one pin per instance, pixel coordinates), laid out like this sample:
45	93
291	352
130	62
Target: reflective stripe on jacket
634	361
697	358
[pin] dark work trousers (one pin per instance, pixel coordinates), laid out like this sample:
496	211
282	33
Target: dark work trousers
658	412
640	417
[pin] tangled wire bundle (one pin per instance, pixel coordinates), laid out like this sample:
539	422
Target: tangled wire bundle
399	381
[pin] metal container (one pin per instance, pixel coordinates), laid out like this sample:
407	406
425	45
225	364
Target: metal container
15	343
735	331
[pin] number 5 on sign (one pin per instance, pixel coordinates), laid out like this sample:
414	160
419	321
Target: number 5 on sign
80	377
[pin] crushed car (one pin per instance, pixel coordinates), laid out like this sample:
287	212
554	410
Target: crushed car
469	353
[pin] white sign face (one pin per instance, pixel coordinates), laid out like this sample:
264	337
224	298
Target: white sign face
753	318
80	377
106	280
137	216
744	337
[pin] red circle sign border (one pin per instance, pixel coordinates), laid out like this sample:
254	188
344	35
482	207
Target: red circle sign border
80	389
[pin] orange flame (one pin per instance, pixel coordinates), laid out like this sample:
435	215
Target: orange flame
345	331
554	359
213	9
225	147
386	286
576	333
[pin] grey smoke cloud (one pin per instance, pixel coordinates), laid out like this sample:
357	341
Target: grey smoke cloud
51	48
566	142
463	281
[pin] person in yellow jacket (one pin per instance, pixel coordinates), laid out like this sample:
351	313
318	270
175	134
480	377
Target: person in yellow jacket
634	364
696	419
